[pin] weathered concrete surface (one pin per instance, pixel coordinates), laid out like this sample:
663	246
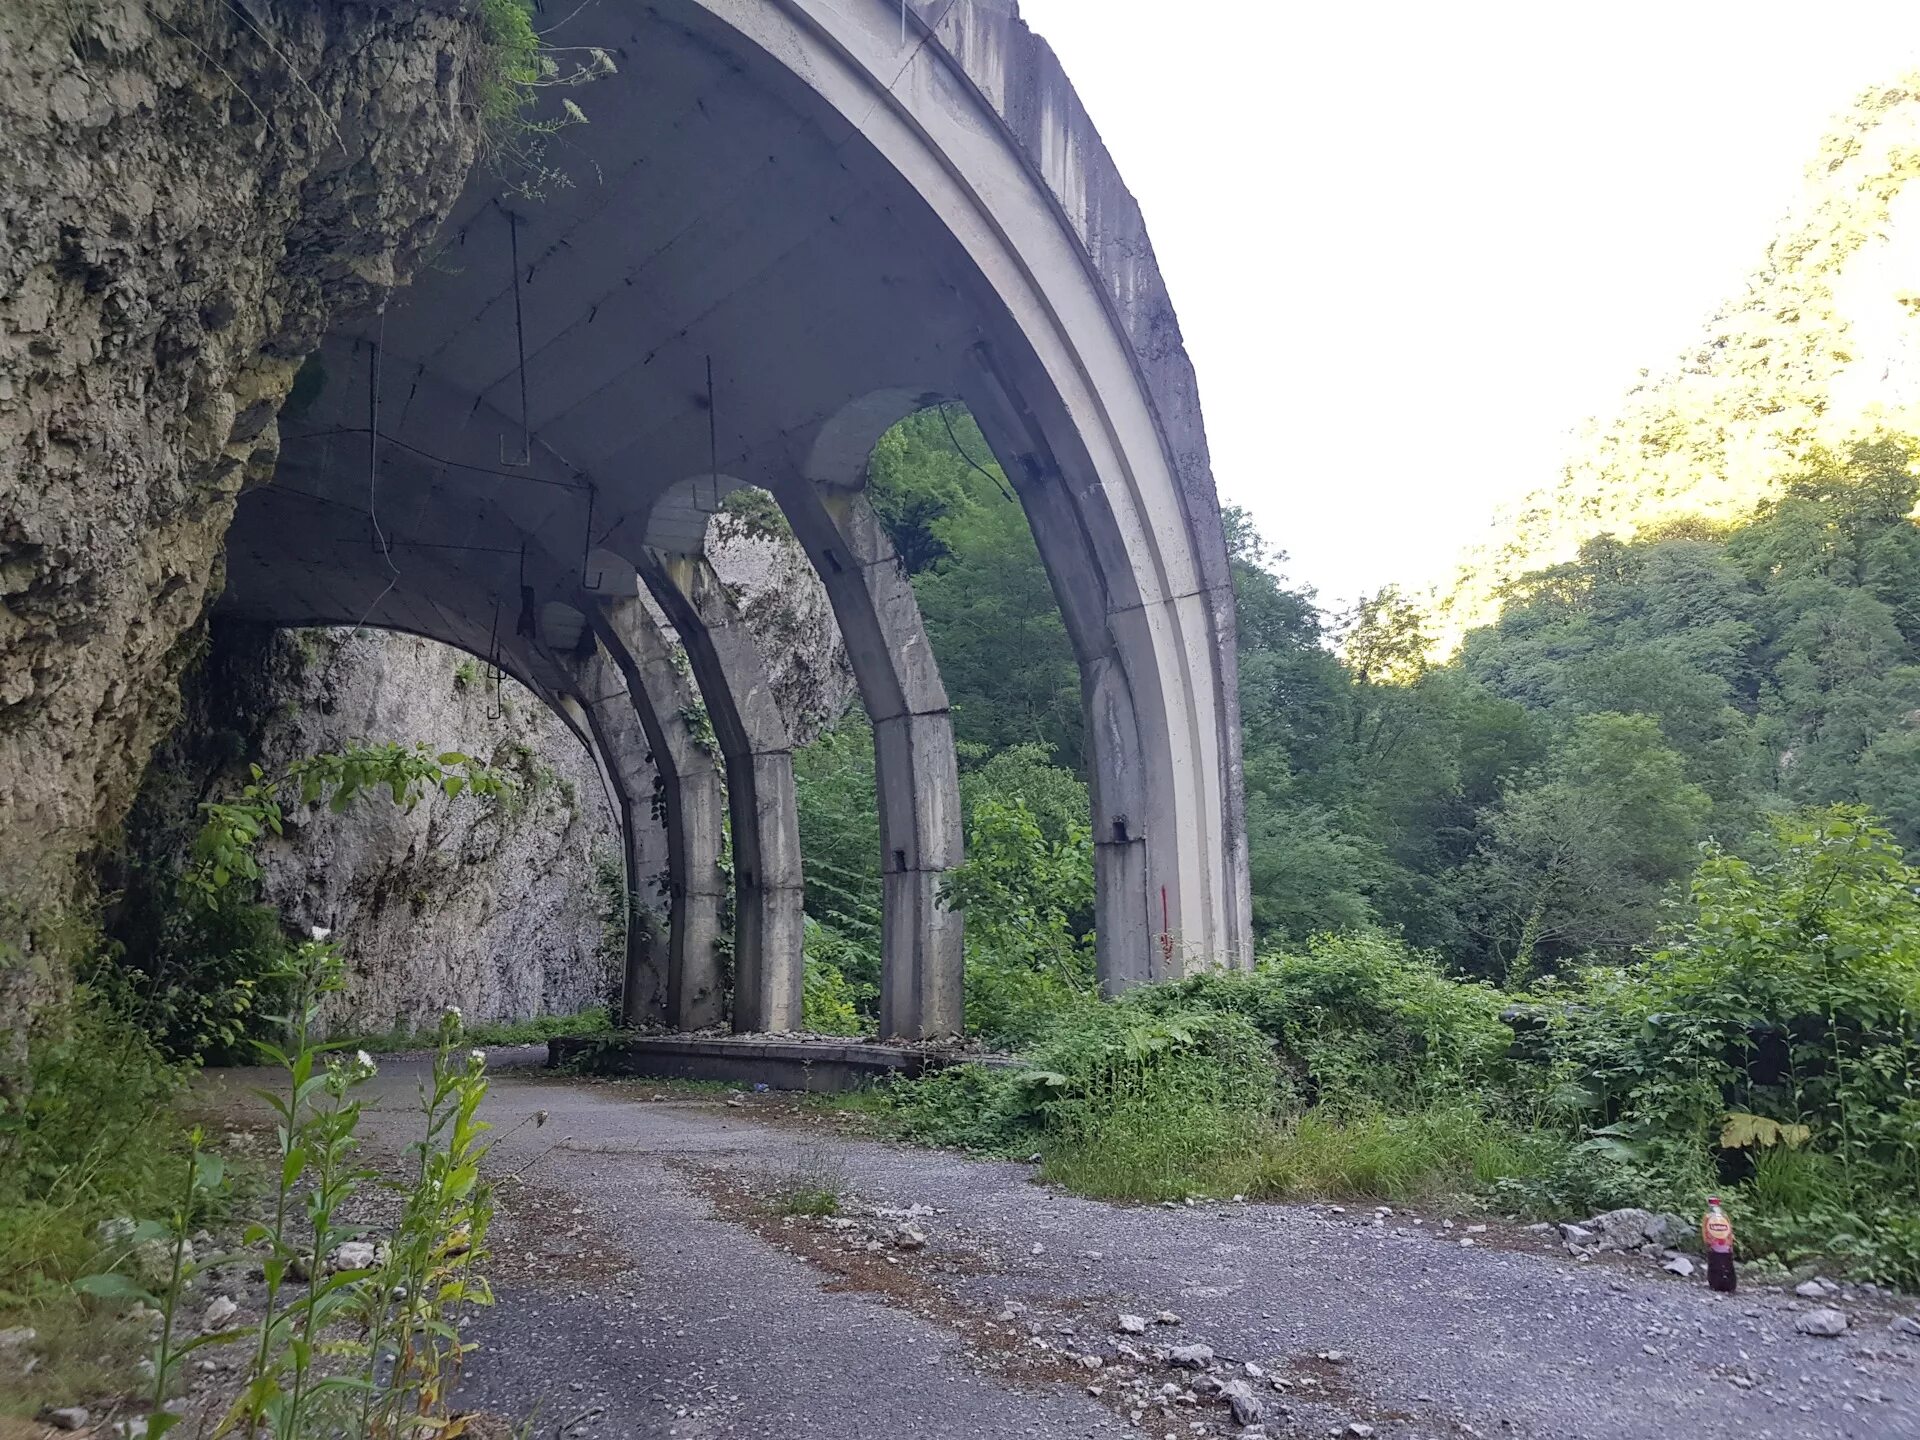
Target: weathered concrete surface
916	769
752	734
189	194
821	1065
633	644
630	1305
879	207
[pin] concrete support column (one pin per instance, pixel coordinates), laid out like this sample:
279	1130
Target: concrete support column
619	749
664	701
923	960
768	934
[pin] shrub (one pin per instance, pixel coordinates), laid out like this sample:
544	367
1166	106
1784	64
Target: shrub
83	1146
1028	900
1357	1020
1772	1040
830	1004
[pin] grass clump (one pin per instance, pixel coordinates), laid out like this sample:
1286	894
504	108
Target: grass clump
815	1186
595	1020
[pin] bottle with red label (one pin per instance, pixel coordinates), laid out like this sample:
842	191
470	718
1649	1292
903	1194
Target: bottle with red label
1716	1234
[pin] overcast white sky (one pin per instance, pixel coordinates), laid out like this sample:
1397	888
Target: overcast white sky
1412	245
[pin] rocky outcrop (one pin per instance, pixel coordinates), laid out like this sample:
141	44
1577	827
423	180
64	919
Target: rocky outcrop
786	606
189	190
506	908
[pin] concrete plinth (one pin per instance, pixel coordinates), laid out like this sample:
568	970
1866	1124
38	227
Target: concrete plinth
821	1066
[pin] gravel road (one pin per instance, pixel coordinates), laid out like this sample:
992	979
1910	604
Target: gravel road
645	1289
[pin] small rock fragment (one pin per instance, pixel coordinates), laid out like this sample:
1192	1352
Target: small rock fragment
354	1255
908	1238
1246	1406
1904	1325
1165	1317
71	1417
1131	1324
1334	1357
219	1311
1191	1357
1360	1431
1678	1265
1810	1290
19	1335
1825	1322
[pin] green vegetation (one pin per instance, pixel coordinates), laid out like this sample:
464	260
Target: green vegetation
350	1342
203	956
537	1031
1766	1049
1615	905
513	64
814	1186
1800	356
98	1165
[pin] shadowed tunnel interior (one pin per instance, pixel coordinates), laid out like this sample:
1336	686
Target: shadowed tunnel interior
785	225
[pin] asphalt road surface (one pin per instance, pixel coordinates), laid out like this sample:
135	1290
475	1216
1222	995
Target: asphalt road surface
649	1285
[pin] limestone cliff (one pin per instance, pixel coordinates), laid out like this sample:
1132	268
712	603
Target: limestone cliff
775	586
189	190
506	908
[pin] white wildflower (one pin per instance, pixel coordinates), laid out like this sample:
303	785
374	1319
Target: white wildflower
364	1061
477	1057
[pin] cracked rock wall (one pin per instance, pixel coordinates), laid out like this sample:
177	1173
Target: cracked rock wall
189	191
507	908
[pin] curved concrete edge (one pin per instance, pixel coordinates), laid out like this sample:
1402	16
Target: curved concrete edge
601	708
916	768
769	967
666	705
1017	75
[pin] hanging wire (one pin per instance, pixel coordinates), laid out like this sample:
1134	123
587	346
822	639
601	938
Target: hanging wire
373	470
594	582
493	659
520	343
961	451
395	442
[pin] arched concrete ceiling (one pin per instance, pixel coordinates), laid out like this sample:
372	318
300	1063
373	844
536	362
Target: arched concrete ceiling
778	211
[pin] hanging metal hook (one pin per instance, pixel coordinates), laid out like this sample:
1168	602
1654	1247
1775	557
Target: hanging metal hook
595	581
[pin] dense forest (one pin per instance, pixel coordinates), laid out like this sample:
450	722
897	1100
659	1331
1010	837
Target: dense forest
1530	802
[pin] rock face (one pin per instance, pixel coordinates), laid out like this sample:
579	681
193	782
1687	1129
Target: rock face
505	908
774	584
189	191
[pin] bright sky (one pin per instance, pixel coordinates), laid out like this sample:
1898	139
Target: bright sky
1412	245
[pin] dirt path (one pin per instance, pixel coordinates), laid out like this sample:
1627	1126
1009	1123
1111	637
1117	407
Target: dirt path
645	1292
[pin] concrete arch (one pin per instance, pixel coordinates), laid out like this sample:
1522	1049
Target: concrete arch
665	703
768	887
916	769
601	709
795	218
1089	394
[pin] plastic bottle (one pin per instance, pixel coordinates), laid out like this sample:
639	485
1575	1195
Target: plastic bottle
1716	1233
